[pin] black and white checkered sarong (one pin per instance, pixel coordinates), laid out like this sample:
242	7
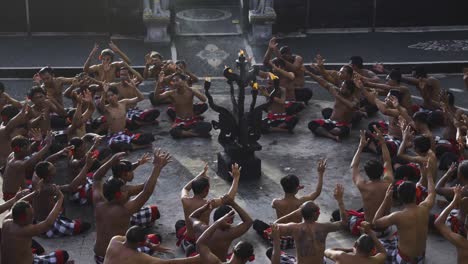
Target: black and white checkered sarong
63	227
145	217
56	257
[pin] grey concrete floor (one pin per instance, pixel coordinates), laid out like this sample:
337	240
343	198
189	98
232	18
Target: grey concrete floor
281	154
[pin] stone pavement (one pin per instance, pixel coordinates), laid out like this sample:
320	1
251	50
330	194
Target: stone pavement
282	154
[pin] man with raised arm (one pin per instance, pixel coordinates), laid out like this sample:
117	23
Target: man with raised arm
113	210
363	250
107	70
339	123
460	242
124	250
226	233
243	251
309	235
409	246
200	186
18	230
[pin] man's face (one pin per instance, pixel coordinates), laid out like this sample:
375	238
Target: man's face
177	82
111	97
288	56
124	74
38	98
343	74
46	78
127	176
106	59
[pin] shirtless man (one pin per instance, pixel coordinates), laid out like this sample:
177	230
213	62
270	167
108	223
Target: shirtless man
6	131
429	87
277	119
53	85
153	65
412	222
18	164
124	250
18	230
200	186
363	250
460	242
309	235
293	63
111	202
357	63
107	70
115	113
186	124
339	124
372	190
243	251
6	99
289	203
40	112
226	233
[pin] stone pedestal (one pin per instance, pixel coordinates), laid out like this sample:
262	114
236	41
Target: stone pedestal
156	18
251	166
261	24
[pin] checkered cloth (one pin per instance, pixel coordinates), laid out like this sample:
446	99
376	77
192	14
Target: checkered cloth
57	257
64	227
84	193
455	224
151	238
394	255
120	137
287	259
145	217
98	259
286	242
134	113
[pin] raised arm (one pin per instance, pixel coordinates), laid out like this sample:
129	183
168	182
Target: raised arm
272	45
338	194
441	187
160	160
21	195
90	57
80	179
381	254
101	173
407	136
37	156
121	54
185	193
18	119
388	169
356	173
198	94
321	166
159	94
454	238
247	221
380	220
429	170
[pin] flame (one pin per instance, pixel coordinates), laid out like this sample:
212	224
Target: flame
207	79
272	76
254	85
230	70
241	53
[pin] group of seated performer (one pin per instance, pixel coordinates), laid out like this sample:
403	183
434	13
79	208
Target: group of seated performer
102	124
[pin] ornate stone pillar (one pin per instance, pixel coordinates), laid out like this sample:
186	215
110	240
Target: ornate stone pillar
156	17
261	17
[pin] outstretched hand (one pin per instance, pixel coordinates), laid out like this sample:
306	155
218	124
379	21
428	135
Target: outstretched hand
235	171
338	192
160	158
321	166
363	140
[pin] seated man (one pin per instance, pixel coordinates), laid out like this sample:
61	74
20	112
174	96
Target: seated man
292	63
373	190
107	70
412	223
460	242
153	65
363	251
19	163
18	230
200	186
220	242
12	118
277	119
43	111
187	123
115	114
339	123
124	250
243	251
111	201
289	203
310	236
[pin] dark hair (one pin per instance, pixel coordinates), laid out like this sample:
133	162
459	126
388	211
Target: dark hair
19	141
285	50
290	183
373	169
406	192
221	211
419	72
350	85
77	142
46	69
450	98
111	187
34	90
397	94
124	68
365	244
356	61
121	167
108	52
2	87
395	74
19	210
422	143
135	235
183	77
42	169
113	90
309	211
349	70
463	169
243	250
278	63
181	62
421	117
407	173
9	111
199	185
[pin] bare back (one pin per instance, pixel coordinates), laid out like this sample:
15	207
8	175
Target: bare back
310	242
190	205
14	176
412	224
15	249
372	194
286	206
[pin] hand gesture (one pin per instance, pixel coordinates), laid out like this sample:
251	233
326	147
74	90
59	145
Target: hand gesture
235	171
457	191
37	78
67	151
275	233
105	86
319	60
205	170
378	134
378	67
118	156
394	101
365	227
227	200
95	48
363	141
452	168
58	192
389	193
272	44
227	218
148	59
113	46
144	159
49	138
87	96
321	166
338	192
161	159
90	159
402	124
21	193
25	108
408	134
35	134
161	77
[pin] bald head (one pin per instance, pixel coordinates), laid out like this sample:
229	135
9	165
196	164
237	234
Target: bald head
310	211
